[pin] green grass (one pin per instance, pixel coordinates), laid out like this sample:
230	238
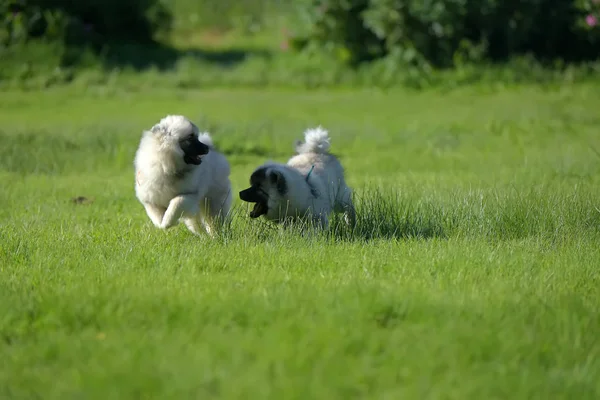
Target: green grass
473	272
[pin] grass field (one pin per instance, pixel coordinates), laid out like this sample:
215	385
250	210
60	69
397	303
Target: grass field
473	273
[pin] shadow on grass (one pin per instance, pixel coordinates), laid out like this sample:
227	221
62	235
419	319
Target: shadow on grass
157	55
373	226
380	216
44	152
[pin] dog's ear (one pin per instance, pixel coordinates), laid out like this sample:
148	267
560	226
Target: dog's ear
278	180
275	176
158	130
298	146
259	176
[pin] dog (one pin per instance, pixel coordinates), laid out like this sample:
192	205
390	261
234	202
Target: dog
179	175
310	186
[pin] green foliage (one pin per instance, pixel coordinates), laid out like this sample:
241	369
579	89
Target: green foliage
81	22
38	66
381	43
444	33
247	16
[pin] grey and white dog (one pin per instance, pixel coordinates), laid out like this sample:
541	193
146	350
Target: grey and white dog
310	186
179	175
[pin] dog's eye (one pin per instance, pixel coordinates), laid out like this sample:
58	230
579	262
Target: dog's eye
189	138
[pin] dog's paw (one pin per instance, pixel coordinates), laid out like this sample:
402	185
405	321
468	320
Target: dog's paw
168	224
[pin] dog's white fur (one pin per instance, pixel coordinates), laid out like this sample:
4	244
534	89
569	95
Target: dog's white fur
315	183
170	189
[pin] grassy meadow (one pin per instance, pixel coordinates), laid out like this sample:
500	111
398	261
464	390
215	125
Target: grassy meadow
473	272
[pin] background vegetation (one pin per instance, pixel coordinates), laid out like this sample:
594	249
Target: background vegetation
416	43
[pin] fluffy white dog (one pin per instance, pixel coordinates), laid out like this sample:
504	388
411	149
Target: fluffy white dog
179	175
311	185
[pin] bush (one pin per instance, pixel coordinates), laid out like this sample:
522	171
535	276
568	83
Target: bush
79	22
444	33
242	16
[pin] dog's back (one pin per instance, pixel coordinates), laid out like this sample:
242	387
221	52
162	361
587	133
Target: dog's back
314	158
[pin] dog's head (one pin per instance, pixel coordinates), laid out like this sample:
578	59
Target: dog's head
179	135
268	188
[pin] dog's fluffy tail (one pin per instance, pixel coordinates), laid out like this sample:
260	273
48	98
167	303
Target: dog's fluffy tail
316	140
205	138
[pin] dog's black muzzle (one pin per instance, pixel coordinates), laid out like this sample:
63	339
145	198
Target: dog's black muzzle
193	151
252	195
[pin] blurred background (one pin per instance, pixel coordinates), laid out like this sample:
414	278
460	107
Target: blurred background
302	43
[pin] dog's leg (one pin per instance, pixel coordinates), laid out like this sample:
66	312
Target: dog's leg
346	206
322	221
350	214
215	210
207	218
193	225
210	226
155	213
179	206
